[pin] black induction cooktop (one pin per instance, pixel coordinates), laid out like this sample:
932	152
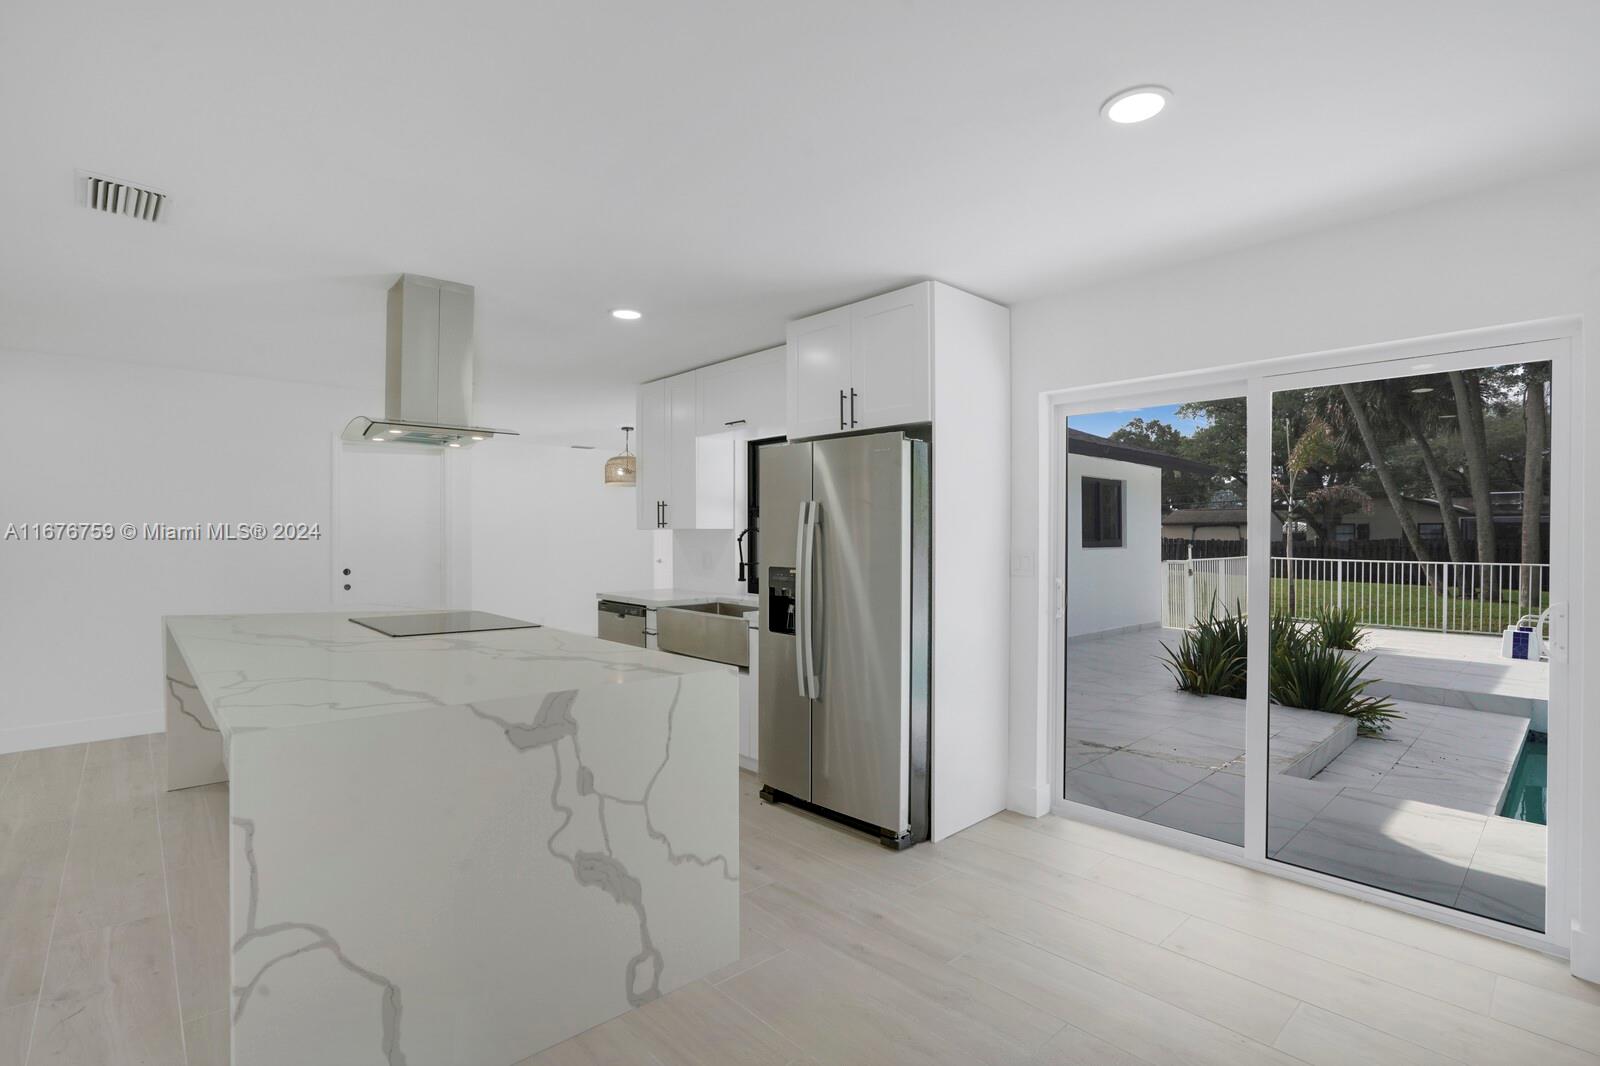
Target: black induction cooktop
437	623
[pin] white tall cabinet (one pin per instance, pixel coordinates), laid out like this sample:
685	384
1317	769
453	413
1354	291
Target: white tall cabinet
930	353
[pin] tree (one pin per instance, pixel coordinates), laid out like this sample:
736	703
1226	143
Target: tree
1178	488
1533	413
1314	446
1380	464
1219	440
1467	388
1407	412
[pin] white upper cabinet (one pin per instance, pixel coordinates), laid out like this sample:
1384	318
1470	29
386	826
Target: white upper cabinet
654	454
864	366
744	394
681	510
691	427
892	350
819	373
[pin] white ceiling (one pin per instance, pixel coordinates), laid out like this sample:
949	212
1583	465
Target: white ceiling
721	166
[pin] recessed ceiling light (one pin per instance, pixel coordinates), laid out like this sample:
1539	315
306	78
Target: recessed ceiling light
397	432
455	444
627	314
380	440
1422	390
1136	104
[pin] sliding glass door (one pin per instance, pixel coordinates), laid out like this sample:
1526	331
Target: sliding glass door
1315	621
1410	592
1155	593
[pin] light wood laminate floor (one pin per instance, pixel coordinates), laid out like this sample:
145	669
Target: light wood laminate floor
1018	941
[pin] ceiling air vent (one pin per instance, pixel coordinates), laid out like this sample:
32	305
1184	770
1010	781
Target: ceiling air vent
119	198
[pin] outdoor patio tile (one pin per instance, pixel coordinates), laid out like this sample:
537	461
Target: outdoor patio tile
1216	821
1369	753
1110	794
1218	788
1353	778
1166	774
1179	743
1415	848
1507	877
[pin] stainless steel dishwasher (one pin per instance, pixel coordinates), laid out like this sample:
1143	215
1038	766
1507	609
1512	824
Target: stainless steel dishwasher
622	622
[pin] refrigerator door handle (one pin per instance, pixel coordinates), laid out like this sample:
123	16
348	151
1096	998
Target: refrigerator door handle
805	589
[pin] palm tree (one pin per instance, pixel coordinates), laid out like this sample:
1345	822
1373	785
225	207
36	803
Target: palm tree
1313	448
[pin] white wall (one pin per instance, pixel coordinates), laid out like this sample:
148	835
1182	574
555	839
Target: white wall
548	534
89	440
1512	254
1115	588
108	440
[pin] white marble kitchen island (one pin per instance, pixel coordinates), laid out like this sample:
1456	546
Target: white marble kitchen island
457	849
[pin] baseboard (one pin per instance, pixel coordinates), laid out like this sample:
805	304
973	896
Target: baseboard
749	764
80	731
1027	798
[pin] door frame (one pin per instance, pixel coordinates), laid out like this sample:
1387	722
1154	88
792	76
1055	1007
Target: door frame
1257	381
454	515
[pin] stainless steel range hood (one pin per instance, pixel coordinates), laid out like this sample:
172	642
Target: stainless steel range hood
428	396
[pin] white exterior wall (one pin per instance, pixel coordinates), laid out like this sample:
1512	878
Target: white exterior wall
1114	588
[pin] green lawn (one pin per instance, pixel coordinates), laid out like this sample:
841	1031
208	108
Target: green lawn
1404	606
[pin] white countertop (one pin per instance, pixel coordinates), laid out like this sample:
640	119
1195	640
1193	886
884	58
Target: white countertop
678	597
272	670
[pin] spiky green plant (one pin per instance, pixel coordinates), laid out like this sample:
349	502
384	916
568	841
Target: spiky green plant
1320	678
1305	670
1211	658
1338	627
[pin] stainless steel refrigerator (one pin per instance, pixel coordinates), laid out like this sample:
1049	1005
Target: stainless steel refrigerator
843	569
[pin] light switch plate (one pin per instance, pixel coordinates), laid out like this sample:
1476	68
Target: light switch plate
1021	564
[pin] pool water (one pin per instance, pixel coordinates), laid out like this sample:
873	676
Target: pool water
1525	795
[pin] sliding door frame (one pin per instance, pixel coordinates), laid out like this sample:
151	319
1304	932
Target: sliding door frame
1559	342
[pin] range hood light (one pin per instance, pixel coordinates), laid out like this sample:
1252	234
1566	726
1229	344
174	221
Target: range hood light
622	470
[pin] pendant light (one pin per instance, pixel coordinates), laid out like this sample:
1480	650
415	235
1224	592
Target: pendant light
621	469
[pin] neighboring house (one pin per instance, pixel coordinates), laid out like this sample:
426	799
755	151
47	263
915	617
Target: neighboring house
1380	523
1506	507
1114	575
1204	523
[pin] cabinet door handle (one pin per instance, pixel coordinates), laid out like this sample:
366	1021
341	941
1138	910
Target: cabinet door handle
841	409
852	408
663	514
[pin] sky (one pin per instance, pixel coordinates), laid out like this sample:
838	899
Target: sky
1104	423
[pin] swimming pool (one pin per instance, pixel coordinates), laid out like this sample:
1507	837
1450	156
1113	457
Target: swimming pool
1525	793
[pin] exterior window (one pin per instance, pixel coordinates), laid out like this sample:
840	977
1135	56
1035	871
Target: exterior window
1102	513
1346	532
1430	530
